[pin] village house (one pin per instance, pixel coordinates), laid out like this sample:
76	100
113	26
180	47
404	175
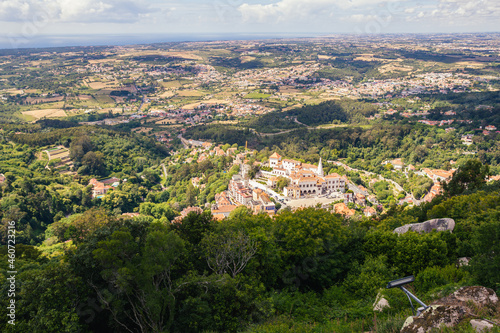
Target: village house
369	211
438	174
2	178
231	151
272	182
396	163
262	203
274	159
222	212
348	197
219	152
494	178
467	139
100	188
436	190
372	199
239	191
292	192
360	199
222	199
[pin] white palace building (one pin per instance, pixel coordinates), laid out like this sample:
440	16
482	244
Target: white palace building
305	179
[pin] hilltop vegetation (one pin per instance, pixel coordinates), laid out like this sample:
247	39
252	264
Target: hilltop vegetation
35	196
310	268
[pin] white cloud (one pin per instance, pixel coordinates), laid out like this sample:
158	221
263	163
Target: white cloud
455	11
360	18
73	10
298	9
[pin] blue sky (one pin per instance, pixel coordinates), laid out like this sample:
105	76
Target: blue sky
32	18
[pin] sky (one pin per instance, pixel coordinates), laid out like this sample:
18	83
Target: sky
26	21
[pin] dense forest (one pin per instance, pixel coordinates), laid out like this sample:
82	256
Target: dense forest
36	196
337	112
305	271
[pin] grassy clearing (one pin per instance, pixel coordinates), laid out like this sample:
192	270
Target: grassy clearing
46	113
257	95
190	93
174	84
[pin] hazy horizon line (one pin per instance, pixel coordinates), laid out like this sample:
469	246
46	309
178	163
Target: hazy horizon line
41	41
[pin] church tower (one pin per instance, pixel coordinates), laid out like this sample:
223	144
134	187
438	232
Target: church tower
320	168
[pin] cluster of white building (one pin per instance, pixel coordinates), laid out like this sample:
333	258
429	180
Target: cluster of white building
305	179
240	193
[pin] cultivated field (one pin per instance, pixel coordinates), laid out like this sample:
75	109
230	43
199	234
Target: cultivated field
47	113
190	93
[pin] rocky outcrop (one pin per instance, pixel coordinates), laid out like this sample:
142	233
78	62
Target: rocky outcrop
479	297
463	305
428	226
481	325
436	316
463	261
380	303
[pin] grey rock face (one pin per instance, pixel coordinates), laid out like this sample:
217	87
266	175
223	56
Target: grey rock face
453	310
428	226
479	296
434	317
380	303
481	325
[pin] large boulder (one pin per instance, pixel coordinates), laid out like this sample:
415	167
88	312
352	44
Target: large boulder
461	306
472	298
380	303
428	226
435	317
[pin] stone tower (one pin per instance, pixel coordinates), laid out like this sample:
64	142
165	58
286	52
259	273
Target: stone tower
320	168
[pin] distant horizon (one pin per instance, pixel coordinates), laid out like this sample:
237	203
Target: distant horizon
105	39
35	20
115	39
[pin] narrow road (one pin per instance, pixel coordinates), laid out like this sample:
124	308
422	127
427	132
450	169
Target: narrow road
164	170
273	134
48	154
165	174
184	141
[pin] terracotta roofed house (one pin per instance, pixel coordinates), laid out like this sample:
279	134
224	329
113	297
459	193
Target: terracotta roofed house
274	159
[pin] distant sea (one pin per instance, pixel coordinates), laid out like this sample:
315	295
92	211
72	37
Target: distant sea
44	41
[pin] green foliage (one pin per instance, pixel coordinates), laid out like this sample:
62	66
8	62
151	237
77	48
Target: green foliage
471	176
365	280
323	113
486	263
434	277
411	252
47	299
158	211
